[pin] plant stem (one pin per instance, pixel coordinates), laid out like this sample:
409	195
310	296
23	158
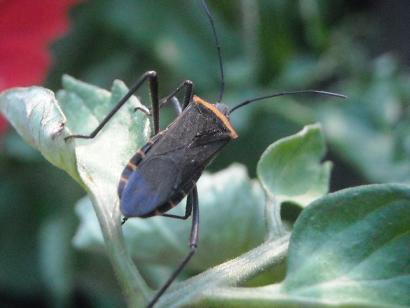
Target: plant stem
230	273
131	281
274	224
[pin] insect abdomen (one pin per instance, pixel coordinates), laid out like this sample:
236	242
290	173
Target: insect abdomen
132	165
173	202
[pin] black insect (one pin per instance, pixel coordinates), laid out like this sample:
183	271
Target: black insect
166	168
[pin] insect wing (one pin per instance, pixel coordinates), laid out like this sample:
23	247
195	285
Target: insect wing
149	187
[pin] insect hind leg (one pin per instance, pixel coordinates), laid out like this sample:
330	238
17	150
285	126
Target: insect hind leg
193	244
192	206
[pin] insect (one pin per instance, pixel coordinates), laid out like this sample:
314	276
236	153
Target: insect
167	167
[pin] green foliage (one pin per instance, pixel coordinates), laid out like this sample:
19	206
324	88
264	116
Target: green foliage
290	169
349	248
353	247
226	194
45	122
375	124
267	46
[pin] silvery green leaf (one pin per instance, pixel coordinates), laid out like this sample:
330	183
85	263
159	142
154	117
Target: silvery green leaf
290	169
36	115
44	122
232	222
347	249
353	246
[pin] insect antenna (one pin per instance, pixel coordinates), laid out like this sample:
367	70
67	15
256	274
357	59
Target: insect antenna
283	94
218	49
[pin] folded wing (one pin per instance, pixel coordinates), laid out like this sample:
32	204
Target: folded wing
149	187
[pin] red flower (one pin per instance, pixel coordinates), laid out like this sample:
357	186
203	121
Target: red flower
26	29
3	125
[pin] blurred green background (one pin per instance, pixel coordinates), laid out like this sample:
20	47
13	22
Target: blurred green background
358	48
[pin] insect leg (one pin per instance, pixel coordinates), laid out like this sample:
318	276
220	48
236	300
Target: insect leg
152	78
189	90
179	108
188	210
177	104
188	95
193	244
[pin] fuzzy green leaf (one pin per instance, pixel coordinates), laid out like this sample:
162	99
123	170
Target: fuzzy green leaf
290	169
353	246
232	210
36	115
96	164
348	249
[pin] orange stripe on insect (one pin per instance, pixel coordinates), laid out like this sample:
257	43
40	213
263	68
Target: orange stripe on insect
141	153
132	166
232	133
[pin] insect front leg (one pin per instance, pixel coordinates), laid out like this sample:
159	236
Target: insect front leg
152	78
193	244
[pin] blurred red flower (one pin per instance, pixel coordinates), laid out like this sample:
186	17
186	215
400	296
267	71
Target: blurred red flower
26	29
3	125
